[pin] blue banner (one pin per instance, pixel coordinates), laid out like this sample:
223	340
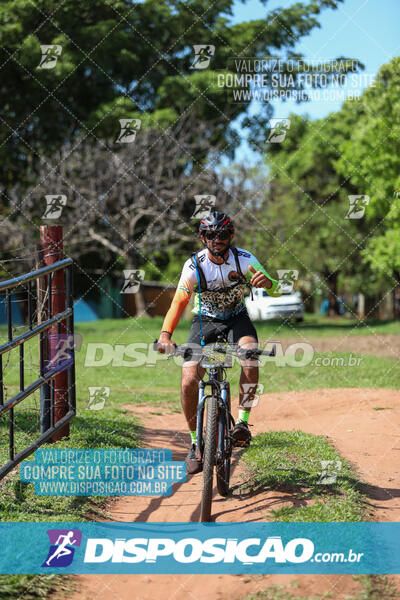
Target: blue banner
75	472
232	548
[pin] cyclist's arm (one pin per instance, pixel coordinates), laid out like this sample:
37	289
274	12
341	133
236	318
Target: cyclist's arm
275	289
176	309
180	300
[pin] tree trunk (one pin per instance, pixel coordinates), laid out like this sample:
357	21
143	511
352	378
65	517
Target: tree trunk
331	279
140	300
141	304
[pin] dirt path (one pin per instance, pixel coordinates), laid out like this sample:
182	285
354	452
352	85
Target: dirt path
369	438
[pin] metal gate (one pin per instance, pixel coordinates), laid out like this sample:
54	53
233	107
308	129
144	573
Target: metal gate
63	324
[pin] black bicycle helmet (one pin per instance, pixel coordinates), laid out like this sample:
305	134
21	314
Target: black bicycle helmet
216	220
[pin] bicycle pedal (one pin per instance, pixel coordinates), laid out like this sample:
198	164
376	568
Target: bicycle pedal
241	443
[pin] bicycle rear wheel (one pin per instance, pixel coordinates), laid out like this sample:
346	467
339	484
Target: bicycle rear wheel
210	447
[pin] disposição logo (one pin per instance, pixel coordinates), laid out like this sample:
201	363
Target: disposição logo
190	550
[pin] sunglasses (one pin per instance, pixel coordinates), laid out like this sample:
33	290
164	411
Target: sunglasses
221	235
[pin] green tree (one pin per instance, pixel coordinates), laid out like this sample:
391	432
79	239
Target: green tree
304	213
122	59
371	161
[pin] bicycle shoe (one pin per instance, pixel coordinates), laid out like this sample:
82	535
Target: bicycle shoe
193	464
241	434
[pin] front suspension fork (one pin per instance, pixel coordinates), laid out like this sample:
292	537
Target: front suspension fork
222	421
199	421
223	416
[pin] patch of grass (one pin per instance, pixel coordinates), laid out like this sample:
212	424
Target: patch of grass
158	384
374	587
32	587
109	428
146	330
290	461
313	324
279	592
317	325
149	378
372	372
147	384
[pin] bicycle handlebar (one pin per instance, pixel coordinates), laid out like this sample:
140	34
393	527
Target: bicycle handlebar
246	353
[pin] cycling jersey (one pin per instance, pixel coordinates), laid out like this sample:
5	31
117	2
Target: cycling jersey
223	297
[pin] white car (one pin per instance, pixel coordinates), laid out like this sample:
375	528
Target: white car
264	307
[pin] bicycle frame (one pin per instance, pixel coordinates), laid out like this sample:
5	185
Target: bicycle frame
220	389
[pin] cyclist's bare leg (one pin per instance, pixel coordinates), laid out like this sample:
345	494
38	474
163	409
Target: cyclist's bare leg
249	375
192	372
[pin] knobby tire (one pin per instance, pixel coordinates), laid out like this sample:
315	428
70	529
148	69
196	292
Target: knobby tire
210	447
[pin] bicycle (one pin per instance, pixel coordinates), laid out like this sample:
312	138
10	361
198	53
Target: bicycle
214	447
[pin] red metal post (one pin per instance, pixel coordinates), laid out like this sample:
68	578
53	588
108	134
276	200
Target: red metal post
52	245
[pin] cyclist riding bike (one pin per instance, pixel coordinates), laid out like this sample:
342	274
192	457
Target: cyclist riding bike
217	276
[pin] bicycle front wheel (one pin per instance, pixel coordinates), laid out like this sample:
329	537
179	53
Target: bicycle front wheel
210	447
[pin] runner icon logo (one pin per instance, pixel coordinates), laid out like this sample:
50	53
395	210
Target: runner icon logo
97	397
357	206
330	471
278	130
54	206
251	394
204	205
129	129
287	279
203	53
133	279
61	551
50	54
